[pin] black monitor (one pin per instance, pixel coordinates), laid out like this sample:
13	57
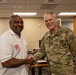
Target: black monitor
39	43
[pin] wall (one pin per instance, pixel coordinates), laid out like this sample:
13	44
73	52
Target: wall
67	22
34	29
4	25
68	25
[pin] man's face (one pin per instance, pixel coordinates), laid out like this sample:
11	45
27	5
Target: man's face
50	21
16	24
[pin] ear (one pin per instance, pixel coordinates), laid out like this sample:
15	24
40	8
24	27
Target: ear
56	19
10	24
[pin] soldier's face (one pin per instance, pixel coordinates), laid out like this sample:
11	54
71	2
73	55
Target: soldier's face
50	21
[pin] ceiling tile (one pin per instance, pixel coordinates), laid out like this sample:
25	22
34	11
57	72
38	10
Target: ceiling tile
34	7
68	2
62	7
48	6
34	1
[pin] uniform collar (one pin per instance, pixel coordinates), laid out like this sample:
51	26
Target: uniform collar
53	33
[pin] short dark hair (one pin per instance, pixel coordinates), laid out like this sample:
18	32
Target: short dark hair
13	17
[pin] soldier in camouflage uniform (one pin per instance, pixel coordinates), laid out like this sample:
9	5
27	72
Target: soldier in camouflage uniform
59	47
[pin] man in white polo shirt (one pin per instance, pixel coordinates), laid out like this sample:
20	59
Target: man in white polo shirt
13	49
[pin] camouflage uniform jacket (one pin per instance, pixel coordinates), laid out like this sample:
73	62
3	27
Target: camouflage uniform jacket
60	50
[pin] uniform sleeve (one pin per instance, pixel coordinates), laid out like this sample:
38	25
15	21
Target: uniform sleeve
41	52
71	37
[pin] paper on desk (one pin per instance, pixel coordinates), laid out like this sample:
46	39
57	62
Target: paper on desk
41	61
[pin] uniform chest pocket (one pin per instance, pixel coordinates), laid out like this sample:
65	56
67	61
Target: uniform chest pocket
63	42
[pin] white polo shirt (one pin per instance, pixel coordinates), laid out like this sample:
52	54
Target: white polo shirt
12	46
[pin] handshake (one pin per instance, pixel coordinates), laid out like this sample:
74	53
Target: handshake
30	59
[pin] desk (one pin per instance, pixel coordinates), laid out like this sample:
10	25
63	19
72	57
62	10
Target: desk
39	66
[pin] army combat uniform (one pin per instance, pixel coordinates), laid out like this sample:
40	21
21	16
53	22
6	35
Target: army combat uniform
59	47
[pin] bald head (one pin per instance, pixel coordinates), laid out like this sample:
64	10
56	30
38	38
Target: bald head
12	17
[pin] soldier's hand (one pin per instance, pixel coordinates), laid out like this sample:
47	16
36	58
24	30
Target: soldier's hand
29	60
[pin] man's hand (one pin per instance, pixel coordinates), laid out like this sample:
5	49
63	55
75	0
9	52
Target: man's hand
29	60
31	56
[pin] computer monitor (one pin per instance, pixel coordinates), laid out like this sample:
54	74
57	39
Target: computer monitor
39	43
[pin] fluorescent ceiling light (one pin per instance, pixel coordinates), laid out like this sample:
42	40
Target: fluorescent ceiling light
67	14
25	13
